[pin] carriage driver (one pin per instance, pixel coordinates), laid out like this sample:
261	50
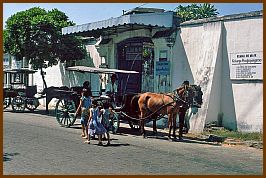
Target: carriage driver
182	112
185	83
111	89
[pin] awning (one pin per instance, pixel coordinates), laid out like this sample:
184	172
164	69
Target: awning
99	70
21	70
123	23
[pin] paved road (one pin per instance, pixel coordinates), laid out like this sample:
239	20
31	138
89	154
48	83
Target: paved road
34	144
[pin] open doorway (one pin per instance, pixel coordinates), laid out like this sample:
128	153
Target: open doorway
136	54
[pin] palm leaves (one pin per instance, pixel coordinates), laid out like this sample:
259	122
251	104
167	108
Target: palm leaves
194	11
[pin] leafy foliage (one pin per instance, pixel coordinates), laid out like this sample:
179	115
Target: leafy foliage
194	11
36	35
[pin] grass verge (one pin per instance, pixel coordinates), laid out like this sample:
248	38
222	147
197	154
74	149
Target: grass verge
256	136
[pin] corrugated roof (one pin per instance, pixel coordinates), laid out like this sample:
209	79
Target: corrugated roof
165	19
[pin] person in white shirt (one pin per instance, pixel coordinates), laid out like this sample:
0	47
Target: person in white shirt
111	87
111	90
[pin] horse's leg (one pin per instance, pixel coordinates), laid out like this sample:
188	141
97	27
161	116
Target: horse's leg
174	124
48	99
142	129
186	120
182	113
154	126
169	125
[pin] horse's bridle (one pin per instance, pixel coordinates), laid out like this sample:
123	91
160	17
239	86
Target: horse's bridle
176	97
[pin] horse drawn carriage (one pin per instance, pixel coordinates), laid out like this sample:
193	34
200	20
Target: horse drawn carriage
69	100
137	108
19	91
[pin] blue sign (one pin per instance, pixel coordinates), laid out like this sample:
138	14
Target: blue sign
162	68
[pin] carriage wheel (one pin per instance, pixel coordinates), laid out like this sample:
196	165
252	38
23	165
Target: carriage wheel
65	112
32	103
114	120
7	102
18	104
133	125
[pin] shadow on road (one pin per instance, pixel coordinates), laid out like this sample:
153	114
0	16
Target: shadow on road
9	156
37	112
116	144
125	131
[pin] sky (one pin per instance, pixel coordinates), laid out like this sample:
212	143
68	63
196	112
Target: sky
81	13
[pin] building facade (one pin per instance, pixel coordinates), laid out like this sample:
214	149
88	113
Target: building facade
221	54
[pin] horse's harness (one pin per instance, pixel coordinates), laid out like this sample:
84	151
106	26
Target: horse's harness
180	98
176	98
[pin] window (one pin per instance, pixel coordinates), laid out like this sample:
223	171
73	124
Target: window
103	60
16	78
163	55
6	60
133	51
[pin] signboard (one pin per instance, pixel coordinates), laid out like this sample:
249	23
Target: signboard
162	68
246	66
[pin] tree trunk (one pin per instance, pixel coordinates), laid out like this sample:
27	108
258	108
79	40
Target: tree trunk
45	87
43	79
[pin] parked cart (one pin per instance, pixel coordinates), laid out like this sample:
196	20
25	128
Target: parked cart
19	91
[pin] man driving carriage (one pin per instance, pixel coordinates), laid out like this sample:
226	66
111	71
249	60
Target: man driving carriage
111	89
182	111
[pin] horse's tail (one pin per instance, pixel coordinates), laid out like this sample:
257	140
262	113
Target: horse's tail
134	103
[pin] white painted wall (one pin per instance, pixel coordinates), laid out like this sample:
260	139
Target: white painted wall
202	59
206	47
242	101
57	75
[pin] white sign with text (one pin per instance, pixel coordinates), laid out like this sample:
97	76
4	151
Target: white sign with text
246	66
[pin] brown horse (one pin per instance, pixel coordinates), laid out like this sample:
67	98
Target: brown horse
154	104
151	105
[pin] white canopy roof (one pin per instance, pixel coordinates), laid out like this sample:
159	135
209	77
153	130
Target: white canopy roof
159	19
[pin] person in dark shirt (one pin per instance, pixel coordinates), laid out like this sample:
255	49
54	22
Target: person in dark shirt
87	86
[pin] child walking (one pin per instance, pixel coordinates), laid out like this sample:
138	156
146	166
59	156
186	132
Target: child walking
84	105
95	127
105	113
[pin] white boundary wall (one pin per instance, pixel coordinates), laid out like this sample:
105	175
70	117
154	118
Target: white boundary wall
207	48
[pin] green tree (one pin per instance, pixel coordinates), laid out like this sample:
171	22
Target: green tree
35	34
194	11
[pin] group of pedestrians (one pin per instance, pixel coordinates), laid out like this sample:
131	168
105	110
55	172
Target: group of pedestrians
94	121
